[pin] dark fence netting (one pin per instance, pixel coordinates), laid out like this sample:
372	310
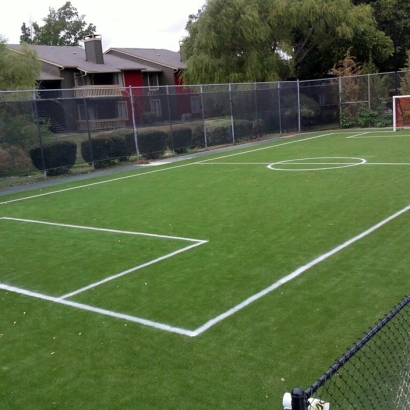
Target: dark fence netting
373	374
59	131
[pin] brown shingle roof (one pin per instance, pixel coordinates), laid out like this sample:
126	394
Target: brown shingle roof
74	57
167	58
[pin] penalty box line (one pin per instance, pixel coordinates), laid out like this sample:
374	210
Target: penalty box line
226	314
196	242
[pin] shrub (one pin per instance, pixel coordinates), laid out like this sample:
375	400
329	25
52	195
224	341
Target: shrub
107	150
13	160
180	140
198	137
59	157
152	144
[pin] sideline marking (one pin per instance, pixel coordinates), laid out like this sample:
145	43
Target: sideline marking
226	314
157	170
295	274
135	319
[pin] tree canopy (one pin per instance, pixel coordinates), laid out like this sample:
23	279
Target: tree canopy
265	40
62	27
18	70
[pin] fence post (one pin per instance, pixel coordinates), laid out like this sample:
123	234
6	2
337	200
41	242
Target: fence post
39	133
279	109
203	116
89	133
134	127
170	119
340	101
299	401
368	91
231	108
298	87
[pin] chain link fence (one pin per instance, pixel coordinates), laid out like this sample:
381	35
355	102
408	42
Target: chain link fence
373	374
58	131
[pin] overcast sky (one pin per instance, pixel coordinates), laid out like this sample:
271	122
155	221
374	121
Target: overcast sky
121	23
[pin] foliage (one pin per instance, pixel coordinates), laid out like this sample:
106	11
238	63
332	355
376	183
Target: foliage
393	18
18	124
405	79
180	140
58	156
266	40
18	70
62	27
13	160
106	150
152	144
220	132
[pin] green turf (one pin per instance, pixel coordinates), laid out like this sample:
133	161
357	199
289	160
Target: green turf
260	225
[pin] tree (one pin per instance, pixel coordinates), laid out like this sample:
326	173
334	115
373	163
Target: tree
18	70
393	18
263	40
62	27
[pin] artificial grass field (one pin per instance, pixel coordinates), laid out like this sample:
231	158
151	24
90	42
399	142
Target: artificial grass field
173	300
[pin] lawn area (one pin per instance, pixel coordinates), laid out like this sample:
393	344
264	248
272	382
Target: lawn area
215	282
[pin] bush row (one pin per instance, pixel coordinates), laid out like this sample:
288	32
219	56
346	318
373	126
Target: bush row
107	149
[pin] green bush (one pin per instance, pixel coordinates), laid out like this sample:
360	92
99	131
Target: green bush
152	144
198	137
180	140
107	150
59	157
13	161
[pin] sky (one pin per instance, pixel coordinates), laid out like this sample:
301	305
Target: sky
121	23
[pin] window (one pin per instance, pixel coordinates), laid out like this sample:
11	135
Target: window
156	107
322	99
91	114
122	110
153	80
195	105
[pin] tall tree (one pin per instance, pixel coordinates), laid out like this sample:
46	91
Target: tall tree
18	70
393	18
62	27
262	40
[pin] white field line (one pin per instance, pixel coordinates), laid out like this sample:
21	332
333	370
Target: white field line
126	272
294	274
368	134
224	315
155	171
357	135
104	229
263	148
135	319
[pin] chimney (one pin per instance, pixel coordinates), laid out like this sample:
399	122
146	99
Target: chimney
93	49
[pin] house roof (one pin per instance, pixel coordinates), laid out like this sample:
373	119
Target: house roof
166	58
74	57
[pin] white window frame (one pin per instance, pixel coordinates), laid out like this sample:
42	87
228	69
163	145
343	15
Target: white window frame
195	104
156	107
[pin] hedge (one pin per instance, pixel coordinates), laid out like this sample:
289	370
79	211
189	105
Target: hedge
180	140
107	150
152	144
59	157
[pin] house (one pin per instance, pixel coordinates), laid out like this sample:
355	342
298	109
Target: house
84	88
166	84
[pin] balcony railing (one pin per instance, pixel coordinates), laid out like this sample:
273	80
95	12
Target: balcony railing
98	91
105	124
